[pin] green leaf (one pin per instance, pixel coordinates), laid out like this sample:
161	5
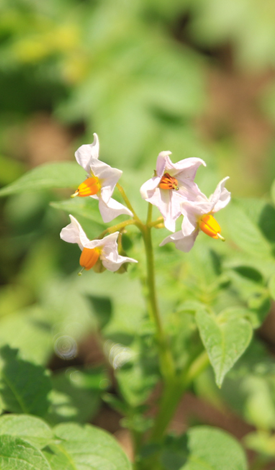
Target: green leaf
23	386
213	449
76	395
136	368
51	175
16	453
225	338
30	428
85	447
246	233
271	286
29	331
58	459
84	207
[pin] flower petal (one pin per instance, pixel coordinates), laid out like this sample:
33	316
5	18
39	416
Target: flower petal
108	177
86	153
112	210
163	158
148	188
189	224
110	258
74	233
221	196
182	243
165	207
186	168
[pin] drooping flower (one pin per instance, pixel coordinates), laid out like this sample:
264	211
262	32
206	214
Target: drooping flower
101	181
172	184
103	251
198	216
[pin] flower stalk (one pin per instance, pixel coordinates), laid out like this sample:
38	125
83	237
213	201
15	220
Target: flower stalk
166	360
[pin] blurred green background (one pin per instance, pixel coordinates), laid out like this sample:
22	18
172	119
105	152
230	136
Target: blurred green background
195	77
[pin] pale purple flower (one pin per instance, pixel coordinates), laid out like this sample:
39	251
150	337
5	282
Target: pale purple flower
104	250
198	216
101	181
172	184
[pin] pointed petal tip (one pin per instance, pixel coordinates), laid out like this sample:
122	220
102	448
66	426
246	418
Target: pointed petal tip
164	153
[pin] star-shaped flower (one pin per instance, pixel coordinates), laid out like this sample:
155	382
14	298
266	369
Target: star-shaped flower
198	216
101	181
172	184
94	252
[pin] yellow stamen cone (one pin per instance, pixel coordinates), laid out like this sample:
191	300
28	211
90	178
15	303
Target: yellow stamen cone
89	187
89	257
210	226
168	182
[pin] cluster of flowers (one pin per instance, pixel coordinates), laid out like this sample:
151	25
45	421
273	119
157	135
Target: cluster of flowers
171	189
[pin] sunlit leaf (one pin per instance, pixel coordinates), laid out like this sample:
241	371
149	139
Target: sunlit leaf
29	428
213	449
85	447
225	338
51	175
17	453
84	207
246	233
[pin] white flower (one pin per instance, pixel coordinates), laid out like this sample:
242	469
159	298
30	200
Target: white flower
94	251
198	216
101	181
172	184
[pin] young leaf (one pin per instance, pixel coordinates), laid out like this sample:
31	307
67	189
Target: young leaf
85	447
213	449
225	338
29	428
23	386
85	207
16	453
246	233
50	175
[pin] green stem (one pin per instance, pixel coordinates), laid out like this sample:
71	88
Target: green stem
166	360
127	202
159	221
117	228
172	394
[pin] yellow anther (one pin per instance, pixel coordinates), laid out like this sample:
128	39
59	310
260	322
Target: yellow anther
89	257
168	182
89	187
210	226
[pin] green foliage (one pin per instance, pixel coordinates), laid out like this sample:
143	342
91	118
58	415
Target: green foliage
17	452
76	395
225	338
203	447
29	428
24	386
246	232
85	208
51	175
213	24
67	446
136	73
214	448
85	446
